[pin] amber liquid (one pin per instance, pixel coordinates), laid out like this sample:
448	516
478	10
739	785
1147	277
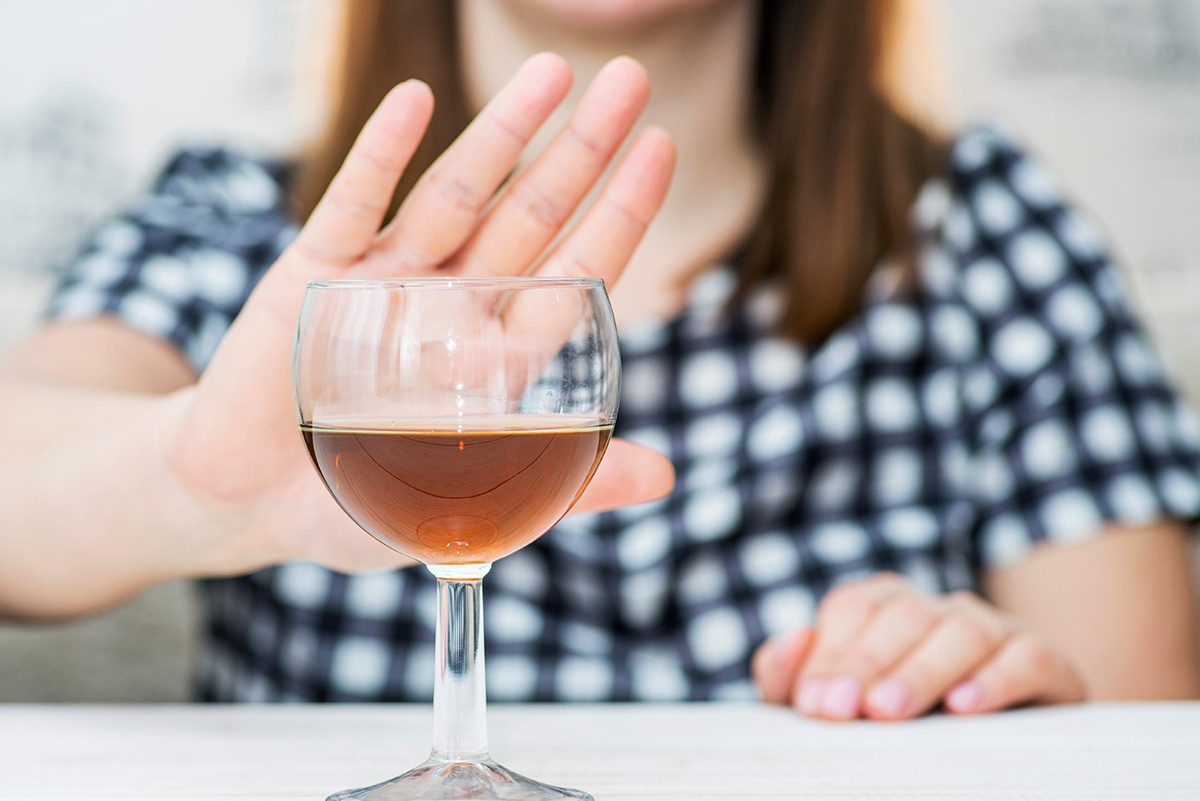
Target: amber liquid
447	496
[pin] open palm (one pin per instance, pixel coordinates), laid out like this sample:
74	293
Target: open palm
238	449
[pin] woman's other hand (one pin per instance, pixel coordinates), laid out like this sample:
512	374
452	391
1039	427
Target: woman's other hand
237	450
885	650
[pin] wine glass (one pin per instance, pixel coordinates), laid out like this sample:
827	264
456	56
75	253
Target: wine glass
457	419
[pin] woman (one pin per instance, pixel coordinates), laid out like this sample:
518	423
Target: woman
925	456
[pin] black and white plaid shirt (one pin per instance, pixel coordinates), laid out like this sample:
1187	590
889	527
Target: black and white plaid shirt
1009	399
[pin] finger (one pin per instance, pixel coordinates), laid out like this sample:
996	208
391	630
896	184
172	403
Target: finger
332	538
540	200
776	662
897	626
345	222
604	241
1024	670
843	613
959	643
255	351
606	237
444	205
627	474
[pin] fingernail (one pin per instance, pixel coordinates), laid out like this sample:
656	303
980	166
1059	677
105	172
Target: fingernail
966	697
841	698
810	696
890	698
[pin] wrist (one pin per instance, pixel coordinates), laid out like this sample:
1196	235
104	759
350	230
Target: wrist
211	535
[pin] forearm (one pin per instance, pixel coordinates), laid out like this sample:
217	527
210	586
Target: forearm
90	512
1122	605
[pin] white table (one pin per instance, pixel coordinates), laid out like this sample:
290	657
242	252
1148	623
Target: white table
694	752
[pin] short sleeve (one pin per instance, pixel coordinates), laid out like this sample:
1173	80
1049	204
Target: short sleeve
180	264
1074	423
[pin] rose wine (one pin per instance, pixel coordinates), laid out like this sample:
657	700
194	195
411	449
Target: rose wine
454	494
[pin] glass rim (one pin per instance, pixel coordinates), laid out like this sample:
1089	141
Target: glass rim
455	281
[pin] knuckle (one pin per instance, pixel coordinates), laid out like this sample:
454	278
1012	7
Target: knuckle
351	204
594	150
971	604
507	127
971	631
307	249
867	661
579	267
1032	657
1003	684
405	255
631	216
847	598
887	578
456	192
862	596
914	611
380	161
963	598
830	662
538	206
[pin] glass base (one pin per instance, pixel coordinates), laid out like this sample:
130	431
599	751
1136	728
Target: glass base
443	779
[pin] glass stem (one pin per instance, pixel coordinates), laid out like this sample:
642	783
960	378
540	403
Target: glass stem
459	691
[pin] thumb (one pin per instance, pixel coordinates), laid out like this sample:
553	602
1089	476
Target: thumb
628	474
777	661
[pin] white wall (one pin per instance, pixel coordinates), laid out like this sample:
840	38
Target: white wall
95	94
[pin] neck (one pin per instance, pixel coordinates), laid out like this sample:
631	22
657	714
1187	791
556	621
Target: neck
700	74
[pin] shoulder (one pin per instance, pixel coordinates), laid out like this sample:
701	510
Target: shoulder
216	182
1000	234
209	210
992	189
180	261
1069	415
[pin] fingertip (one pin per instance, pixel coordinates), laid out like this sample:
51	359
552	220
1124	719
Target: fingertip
760	669
648	168
887	700
774	664
659	139
629	71
549	68
409	98
965	699
657	147
806	696
546	60
656	475
650	470
413	88
628	474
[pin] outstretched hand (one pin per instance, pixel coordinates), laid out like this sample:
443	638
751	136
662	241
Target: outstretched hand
238	448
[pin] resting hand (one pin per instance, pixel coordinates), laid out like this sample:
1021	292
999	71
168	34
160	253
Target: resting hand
885	650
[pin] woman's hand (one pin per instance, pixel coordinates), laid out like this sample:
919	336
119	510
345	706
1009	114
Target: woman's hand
882	649
237	450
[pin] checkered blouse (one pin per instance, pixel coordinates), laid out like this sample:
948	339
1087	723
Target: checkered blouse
1009	399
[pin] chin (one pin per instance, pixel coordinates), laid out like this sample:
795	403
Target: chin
611	15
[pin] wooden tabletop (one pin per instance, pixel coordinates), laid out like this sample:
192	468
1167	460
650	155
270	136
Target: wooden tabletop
694	752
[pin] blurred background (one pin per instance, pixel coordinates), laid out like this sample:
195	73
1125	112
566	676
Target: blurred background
96	95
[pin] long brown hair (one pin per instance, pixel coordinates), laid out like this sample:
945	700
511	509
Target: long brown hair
844	164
